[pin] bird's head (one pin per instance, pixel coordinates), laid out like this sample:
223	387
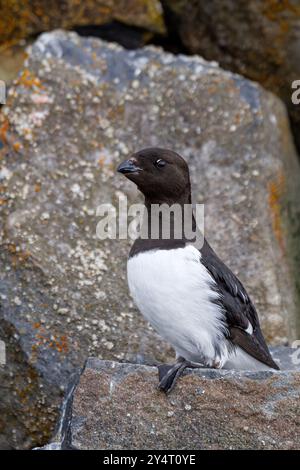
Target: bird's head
160	174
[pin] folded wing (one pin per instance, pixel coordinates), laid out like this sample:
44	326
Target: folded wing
241	316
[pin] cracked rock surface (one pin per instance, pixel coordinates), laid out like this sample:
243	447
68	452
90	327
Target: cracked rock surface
79	107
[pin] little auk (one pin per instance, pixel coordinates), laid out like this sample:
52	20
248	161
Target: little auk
189	296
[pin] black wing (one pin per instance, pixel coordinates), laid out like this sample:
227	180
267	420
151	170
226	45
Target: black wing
238	308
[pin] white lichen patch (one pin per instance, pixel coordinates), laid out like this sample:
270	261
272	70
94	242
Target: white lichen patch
89	264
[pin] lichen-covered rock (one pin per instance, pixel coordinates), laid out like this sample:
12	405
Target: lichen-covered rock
257	38
22	19
11	62
77	109
117	406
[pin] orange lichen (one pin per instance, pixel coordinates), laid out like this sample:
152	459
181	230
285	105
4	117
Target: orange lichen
3	131
29	80
17	146
6	138
276	190
37	187
45	338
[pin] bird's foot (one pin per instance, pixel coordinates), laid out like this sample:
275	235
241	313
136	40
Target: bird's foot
169	374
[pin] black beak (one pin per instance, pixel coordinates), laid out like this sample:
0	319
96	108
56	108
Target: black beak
128	167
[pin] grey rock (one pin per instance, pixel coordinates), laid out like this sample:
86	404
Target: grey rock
117	406
79	107
257	38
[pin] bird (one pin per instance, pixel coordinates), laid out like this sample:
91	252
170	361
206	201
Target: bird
188	295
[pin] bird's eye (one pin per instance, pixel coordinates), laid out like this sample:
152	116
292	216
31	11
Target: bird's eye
160	163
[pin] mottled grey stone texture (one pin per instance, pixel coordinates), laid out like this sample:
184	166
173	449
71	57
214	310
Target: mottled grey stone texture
80	107
257	38
117	406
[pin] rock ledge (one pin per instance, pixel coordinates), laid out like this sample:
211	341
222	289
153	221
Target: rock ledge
117	406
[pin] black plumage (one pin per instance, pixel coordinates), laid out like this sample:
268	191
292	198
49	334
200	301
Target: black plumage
238	308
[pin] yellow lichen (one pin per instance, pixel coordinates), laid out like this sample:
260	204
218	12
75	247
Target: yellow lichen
17	146
29	80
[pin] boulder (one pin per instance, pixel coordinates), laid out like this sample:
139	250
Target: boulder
22	19
117	406
78	108
256	38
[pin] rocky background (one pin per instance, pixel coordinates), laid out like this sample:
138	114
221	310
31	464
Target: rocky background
76	106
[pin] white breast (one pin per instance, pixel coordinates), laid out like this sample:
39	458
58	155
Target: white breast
174	292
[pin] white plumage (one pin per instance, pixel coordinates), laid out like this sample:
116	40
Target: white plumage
175	293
